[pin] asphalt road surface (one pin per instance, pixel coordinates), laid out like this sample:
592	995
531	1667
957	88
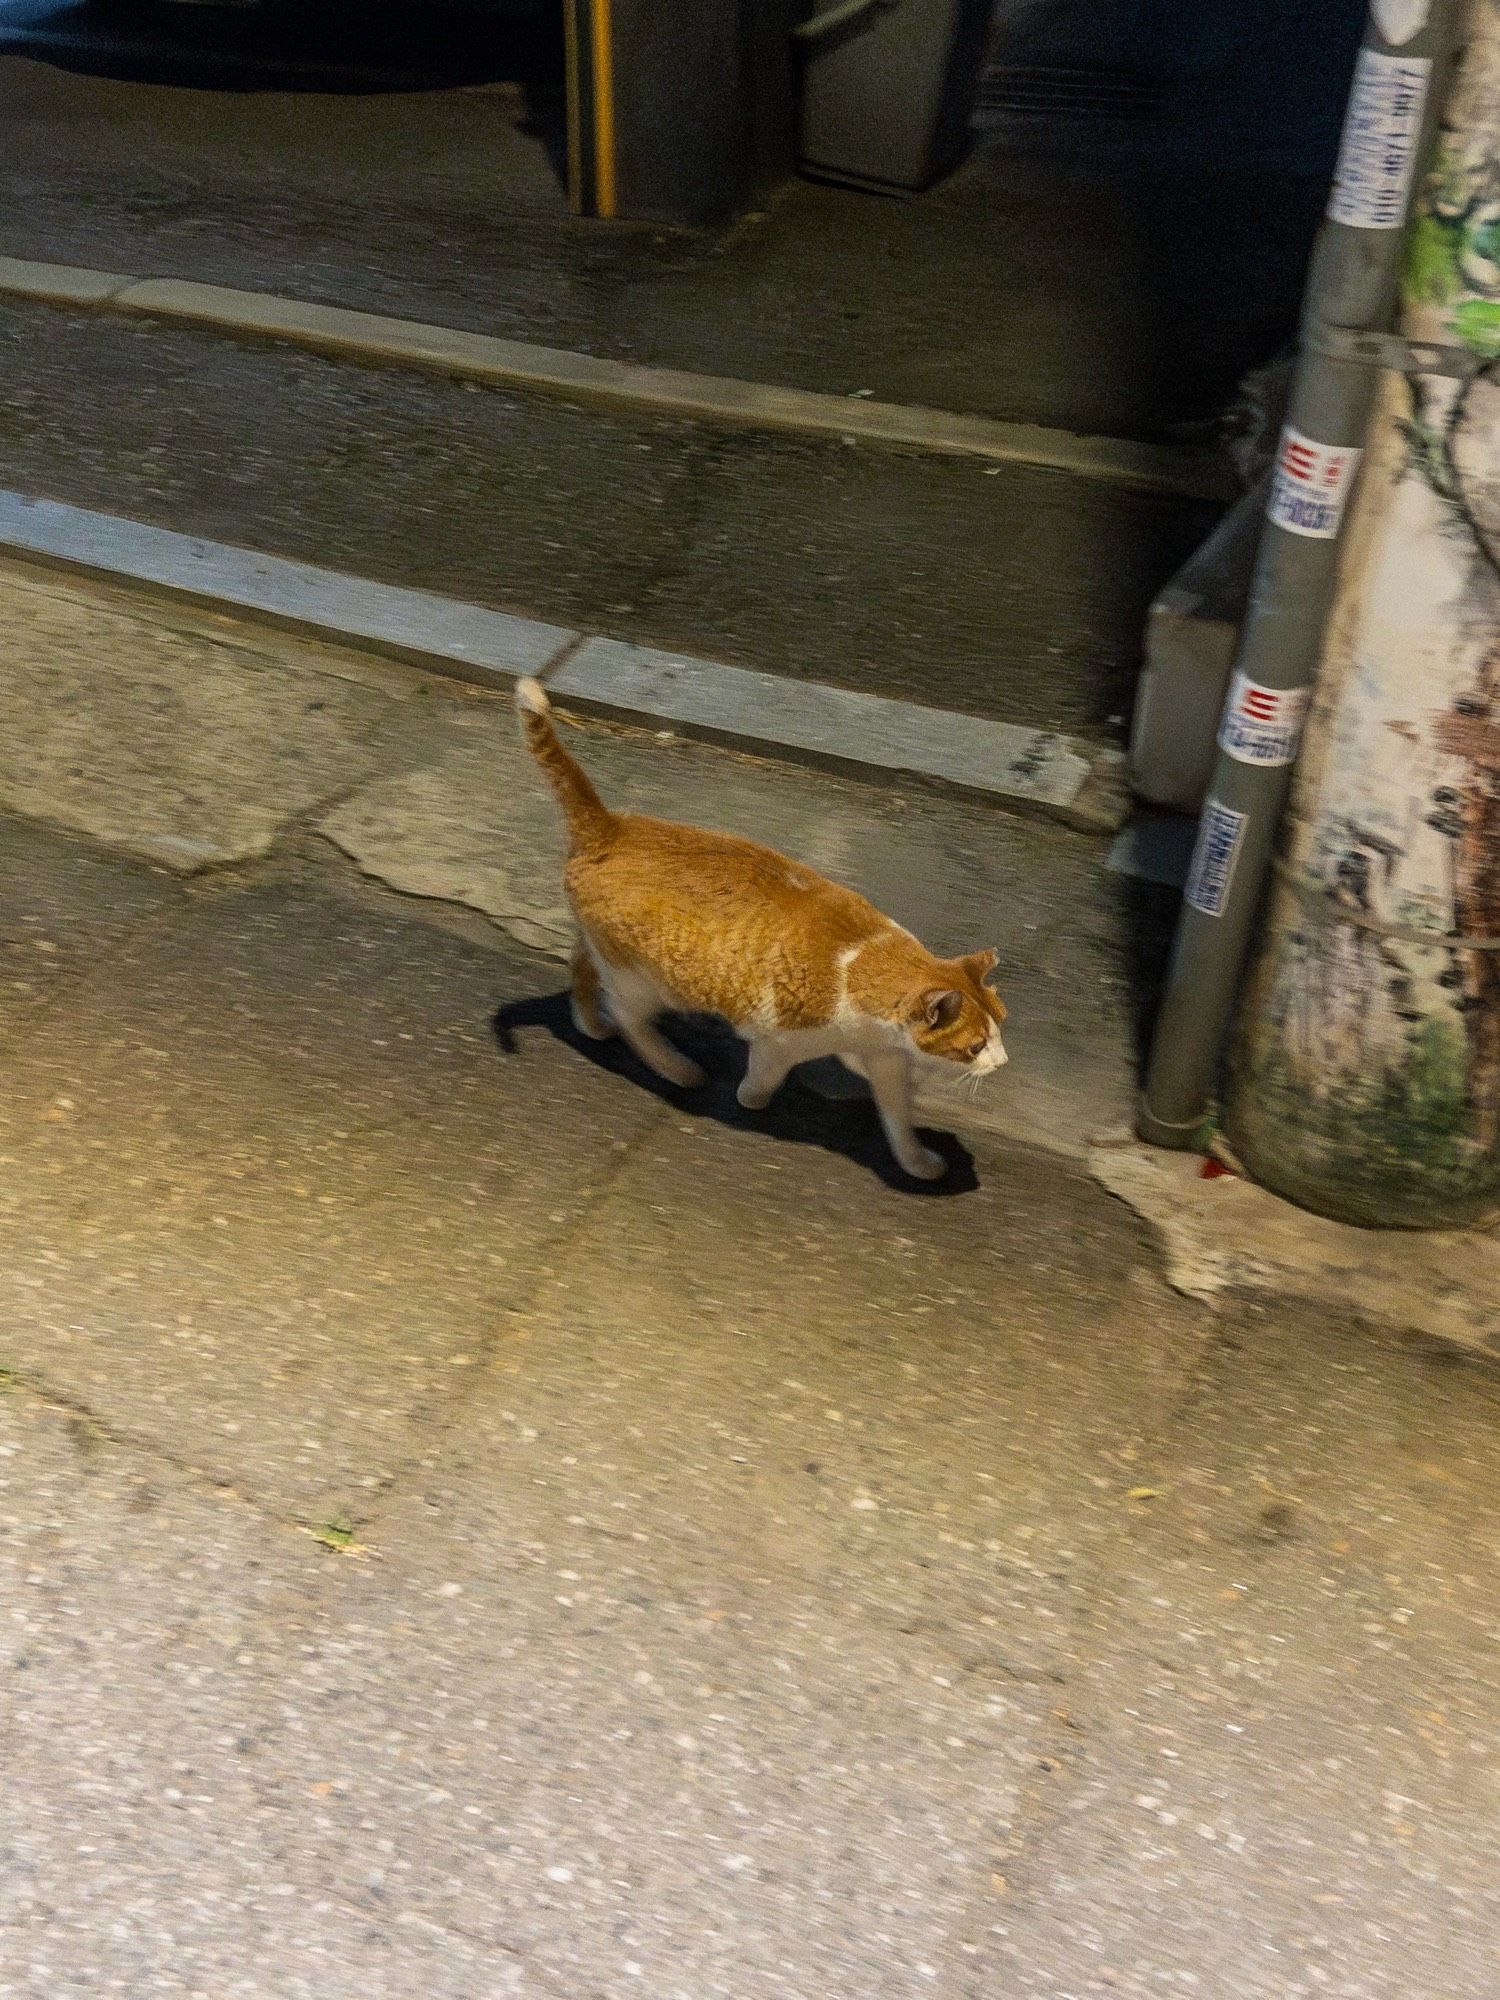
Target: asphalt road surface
471	1528
410	164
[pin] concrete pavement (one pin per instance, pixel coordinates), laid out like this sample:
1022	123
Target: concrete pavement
210	741
533	368
472	1523
867	736
206	742
1019	597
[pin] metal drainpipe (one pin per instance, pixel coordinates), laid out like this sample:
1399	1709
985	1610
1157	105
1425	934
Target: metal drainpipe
1352	287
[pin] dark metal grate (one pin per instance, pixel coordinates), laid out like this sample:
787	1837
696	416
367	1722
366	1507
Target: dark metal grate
1032	92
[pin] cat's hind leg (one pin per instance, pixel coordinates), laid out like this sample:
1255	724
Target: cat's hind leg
770	1062
634	1007
585	1003
890	1080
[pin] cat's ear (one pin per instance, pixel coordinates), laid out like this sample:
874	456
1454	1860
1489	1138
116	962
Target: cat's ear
980	964
940	1006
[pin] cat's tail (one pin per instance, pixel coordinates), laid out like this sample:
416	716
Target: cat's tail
590	822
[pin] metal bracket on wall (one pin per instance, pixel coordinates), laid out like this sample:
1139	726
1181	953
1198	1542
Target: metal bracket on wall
1392	351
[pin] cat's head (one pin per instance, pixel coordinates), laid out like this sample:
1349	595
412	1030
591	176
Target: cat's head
957	1017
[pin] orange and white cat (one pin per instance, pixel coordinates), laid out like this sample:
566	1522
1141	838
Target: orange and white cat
673	918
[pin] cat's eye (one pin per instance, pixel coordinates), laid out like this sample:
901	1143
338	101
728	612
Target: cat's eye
974	1049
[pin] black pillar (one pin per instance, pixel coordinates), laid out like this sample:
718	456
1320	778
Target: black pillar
678	110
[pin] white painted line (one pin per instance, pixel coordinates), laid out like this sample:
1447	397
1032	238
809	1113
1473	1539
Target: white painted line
865	736
840	729
415	625
666	392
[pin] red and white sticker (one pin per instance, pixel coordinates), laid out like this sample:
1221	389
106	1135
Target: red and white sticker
1311	484
1262	725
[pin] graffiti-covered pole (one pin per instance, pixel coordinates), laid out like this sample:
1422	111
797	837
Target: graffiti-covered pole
1352	290
1365	1080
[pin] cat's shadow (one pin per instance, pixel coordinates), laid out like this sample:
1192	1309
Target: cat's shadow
797	1114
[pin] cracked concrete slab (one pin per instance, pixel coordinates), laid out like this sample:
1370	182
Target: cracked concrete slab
196	741
1300	1793
63	905
154	735
472	823
264	1195
765	1531
784	1582
469	824
146	1859
1226	1233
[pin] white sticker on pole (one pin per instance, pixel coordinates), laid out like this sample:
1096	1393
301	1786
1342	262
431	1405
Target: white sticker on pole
1311	484
1220	832
1378	152
1399	20
1262	725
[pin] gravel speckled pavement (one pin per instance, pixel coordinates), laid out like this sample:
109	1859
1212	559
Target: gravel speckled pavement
473	1524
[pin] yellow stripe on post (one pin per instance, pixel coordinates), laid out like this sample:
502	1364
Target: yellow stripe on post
606	196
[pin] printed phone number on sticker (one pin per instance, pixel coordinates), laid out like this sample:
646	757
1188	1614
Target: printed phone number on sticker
1311	484
1219	835
1378	151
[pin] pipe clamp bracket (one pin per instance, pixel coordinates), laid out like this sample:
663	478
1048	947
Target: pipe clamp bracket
1395	352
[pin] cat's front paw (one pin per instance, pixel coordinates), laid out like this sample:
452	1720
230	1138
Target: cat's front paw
923	1164
754	1096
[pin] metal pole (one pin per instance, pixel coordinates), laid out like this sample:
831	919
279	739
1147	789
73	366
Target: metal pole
1365	1071
1352	288
678	110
